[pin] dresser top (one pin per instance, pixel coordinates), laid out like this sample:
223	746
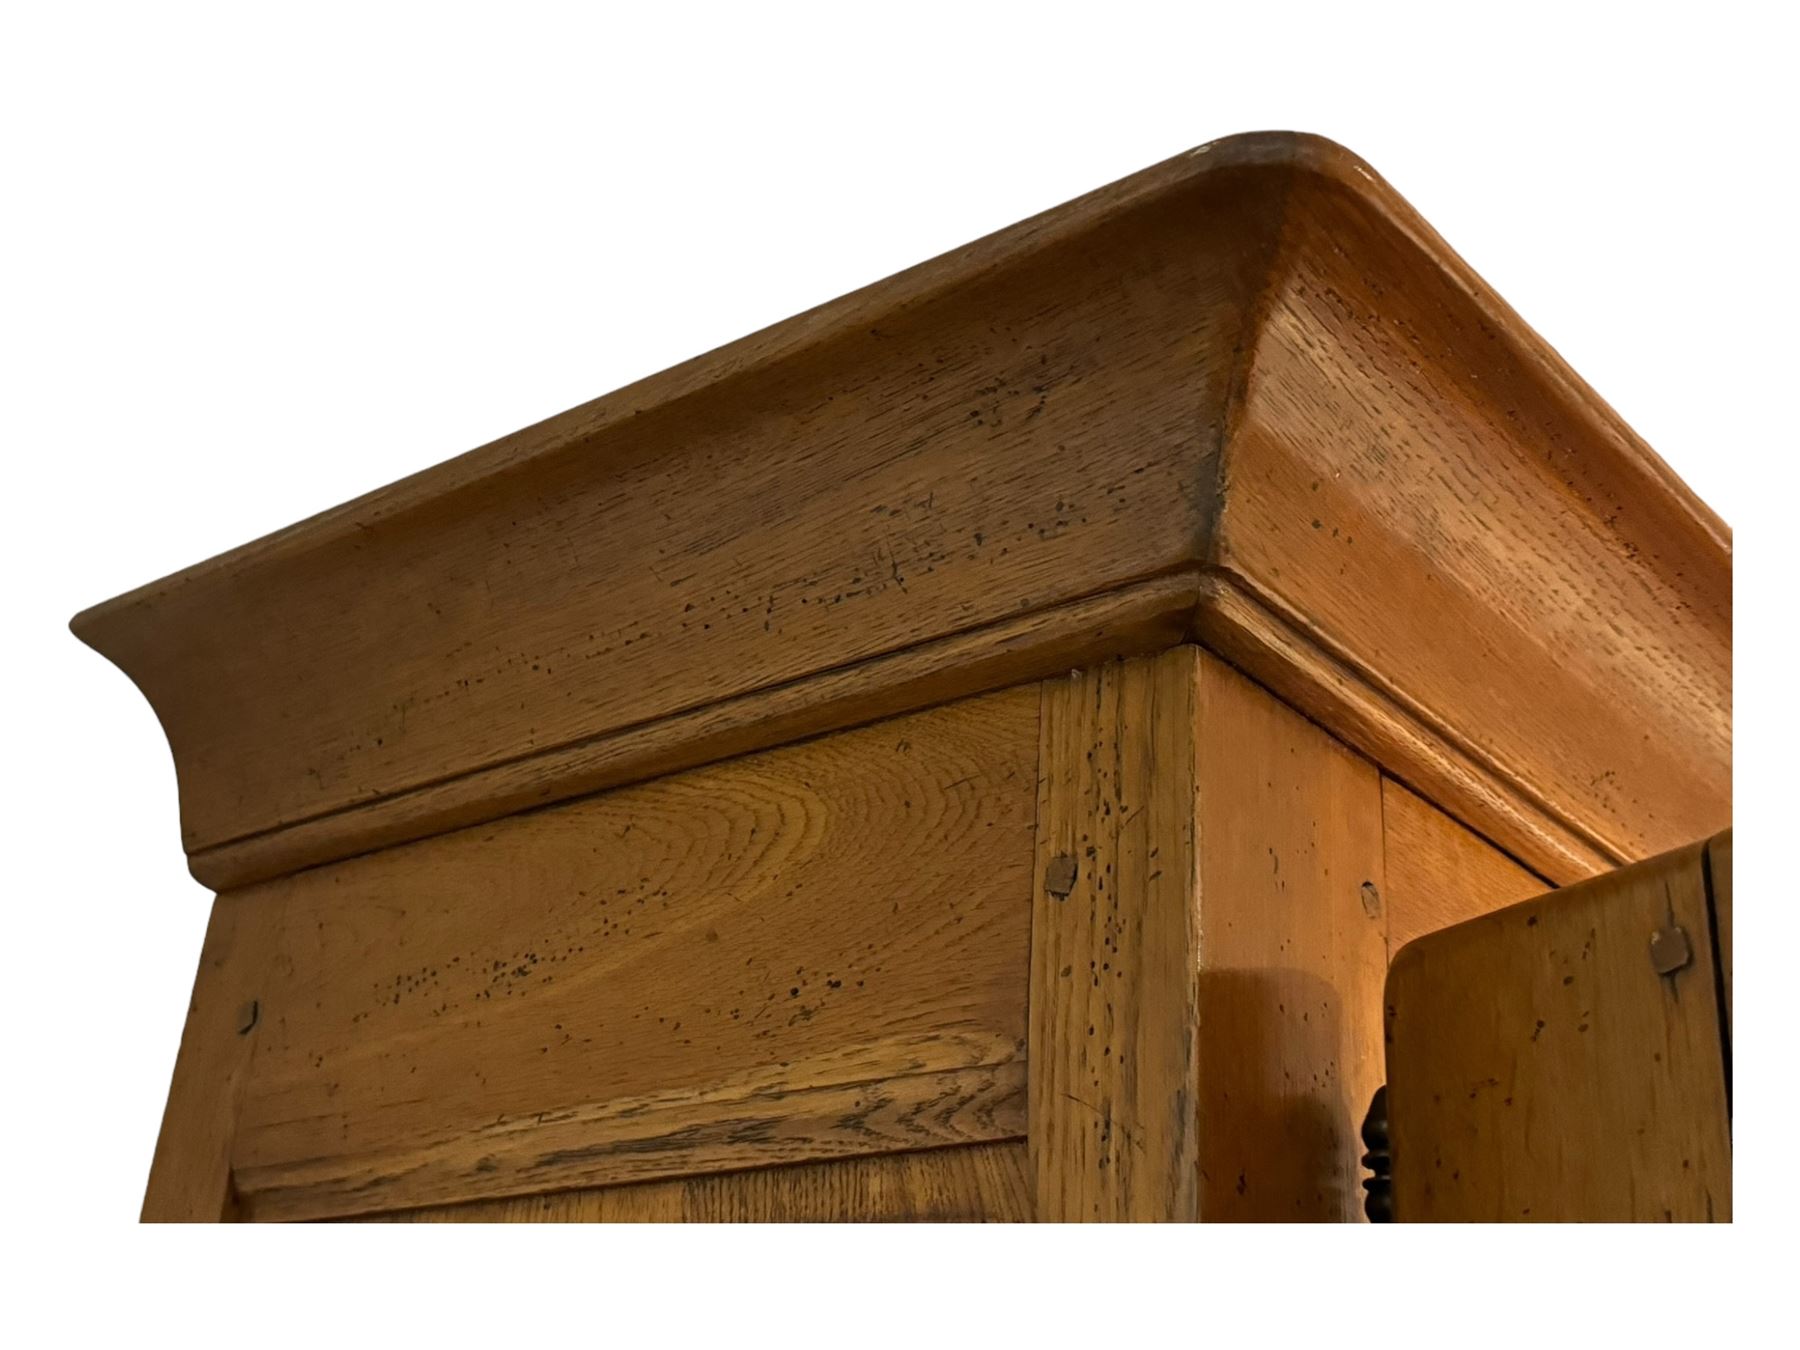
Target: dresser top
1245	397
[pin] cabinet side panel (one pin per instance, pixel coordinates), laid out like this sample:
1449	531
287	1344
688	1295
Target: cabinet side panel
1292	954
813	952
1440	872
973	1183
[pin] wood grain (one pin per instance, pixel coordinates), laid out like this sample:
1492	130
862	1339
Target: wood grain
1540	1068
812	952
1246	396
1292	957
973	1183
1439	872
190	1174
1115	945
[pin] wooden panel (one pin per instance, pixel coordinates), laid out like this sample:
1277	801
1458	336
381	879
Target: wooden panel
1114	1059
812	952
1439	872
1292	956
1540	1067
972	1183
190	1175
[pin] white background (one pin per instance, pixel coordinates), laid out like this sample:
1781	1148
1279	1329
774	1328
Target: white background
261	258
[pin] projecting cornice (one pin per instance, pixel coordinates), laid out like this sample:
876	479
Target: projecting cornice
1246	396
